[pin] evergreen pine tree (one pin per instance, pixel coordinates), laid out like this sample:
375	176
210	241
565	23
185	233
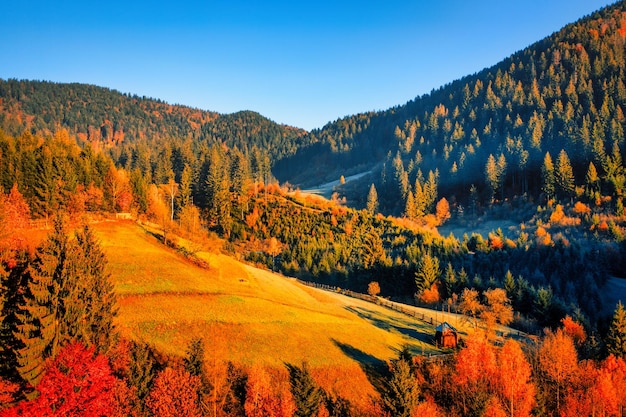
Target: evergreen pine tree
409	208
99	304
564	175
306	394
616	338
547	176
428	272
401	390
372	201
42	315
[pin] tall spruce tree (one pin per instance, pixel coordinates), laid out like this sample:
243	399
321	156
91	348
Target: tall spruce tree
43	313
401	392
564	176
547	176
98	308
616	338
306	393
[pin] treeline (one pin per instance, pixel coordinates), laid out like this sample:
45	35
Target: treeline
546	378
109	118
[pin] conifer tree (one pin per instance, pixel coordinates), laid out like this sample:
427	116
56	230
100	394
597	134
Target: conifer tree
430	192
616	338
98	308
592	180
547	176
401	391
372	201
43	314
142	370
306	393
185	188
564	175
427	273
409	208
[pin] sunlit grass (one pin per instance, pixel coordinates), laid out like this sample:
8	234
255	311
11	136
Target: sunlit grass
246	315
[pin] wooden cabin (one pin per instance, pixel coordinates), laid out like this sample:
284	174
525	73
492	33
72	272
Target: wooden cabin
446	336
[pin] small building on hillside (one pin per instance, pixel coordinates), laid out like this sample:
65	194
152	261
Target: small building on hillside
446	336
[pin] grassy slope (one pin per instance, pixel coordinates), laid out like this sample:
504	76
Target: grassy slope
248	315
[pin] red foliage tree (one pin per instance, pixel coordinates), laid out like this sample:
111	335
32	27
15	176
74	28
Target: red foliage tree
8	390
574	329
76	384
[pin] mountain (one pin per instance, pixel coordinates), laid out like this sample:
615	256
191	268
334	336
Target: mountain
565	92
104	116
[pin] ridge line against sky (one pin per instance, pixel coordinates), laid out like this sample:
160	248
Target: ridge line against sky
299	63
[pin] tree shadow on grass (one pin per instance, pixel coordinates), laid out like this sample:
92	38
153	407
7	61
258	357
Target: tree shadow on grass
404	327
375	369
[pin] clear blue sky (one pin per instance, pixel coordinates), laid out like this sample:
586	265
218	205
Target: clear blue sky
303	63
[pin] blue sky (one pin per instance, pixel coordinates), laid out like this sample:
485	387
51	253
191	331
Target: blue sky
298	63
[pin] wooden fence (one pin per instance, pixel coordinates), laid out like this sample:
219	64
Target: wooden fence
399	307
405	309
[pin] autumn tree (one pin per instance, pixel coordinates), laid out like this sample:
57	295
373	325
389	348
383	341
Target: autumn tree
263	398
495	171
442	211
564	175
559	364
469	304
548	176
117	189
372	201
175	393
497	308
373	288
78	382
514	380
475	372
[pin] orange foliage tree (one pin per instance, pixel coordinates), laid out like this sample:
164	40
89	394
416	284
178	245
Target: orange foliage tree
174	394
559	364
475	373
514	386
262	400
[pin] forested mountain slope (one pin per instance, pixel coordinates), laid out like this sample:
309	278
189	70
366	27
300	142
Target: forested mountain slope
108	117
565	92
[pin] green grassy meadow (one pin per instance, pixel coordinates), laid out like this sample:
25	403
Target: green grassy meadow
247	315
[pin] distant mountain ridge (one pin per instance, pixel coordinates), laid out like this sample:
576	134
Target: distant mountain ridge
106	116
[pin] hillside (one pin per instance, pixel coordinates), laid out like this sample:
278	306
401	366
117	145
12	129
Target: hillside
565	92
249	316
